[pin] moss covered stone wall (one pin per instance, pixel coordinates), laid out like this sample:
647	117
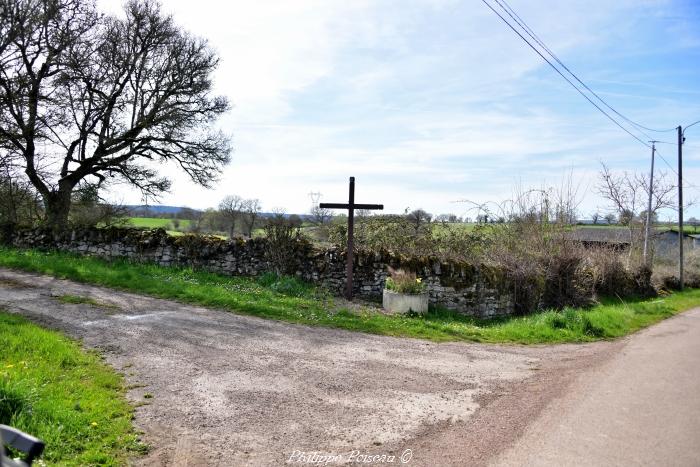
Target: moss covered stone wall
473	290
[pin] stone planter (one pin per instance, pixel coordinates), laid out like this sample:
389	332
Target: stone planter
395	302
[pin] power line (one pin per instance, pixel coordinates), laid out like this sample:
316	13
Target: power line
685	185
515	17
508	9
563	76
666	162
688	126
670	166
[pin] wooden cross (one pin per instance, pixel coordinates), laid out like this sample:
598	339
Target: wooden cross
350	206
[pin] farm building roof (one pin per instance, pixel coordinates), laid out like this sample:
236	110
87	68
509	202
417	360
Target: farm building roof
612	236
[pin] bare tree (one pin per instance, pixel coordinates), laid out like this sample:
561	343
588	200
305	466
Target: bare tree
628	193
446	218
251	211
283	235
230	208
610	218
19	202
197	219
566	200
319	215
95	98
419	218
595	217
213	221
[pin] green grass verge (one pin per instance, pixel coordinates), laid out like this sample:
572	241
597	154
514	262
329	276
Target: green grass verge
291	300
52	389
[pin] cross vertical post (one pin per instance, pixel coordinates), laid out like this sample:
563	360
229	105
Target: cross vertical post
350	206
351	242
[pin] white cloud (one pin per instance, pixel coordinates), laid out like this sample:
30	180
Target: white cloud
424	101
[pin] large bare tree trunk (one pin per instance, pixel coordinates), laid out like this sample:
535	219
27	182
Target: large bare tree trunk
57	208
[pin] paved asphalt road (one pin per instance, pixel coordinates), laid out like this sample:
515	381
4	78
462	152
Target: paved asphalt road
237	390
642	407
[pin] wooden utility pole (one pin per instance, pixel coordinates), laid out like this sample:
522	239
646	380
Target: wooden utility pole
350	206
651	192
680	206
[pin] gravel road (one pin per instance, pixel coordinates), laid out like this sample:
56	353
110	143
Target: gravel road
236	390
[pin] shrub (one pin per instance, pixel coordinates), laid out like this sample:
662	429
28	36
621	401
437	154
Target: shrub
398	235
283	239
568	281
610	274
665	273
402	281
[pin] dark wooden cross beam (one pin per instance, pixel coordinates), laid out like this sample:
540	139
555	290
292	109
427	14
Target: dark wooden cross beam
350	206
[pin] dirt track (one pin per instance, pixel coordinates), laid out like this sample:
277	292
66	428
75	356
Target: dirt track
236	390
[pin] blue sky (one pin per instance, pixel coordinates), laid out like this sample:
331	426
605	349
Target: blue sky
428	102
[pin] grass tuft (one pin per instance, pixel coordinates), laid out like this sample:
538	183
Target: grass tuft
79	299
52	389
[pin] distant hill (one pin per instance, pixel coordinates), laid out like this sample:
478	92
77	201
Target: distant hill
144	210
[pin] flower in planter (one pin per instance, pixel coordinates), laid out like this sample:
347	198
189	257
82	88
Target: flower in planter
402	281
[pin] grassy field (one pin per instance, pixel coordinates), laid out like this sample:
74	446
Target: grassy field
156	222
52	389
686	228
291	300
167	224
470	226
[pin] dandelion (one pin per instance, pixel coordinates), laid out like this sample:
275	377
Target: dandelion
418	280
93	424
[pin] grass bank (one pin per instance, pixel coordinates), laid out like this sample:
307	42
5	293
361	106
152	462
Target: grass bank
52	389
291	300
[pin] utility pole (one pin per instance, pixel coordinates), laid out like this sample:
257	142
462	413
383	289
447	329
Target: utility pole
680	206
651	192
315	197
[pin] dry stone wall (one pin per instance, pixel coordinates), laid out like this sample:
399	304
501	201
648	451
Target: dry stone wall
474	291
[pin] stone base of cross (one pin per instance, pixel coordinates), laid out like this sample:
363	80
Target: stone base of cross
350	206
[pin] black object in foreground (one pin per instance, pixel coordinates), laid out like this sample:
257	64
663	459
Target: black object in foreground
29	445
